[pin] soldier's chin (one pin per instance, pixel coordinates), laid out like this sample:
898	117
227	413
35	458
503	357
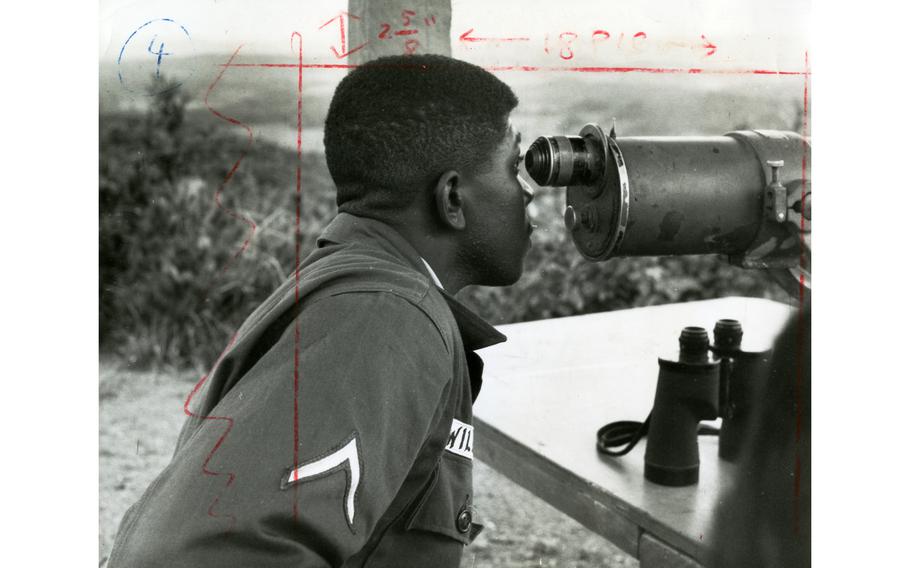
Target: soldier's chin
506	276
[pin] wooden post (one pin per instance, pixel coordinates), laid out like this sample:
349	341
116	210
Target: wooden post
395	27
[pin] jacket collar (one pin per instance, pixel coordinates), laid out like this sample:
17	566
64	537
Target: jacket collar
346	228
476	333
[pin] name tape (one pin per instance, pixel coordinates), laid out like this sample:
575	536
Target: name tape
461	439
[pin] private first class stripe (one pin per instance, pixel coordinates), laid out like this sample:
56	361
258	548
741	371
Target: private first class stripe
461	439
349	457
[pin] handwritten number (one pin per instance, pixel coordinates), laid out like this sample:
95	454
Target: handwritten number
566	51
384	34
160	53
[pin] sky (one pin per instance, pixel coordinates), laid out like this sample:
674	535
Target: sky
768	34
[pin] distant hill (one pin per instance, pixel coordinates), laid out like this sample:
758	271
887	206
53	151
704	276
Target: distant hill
250	94
551	102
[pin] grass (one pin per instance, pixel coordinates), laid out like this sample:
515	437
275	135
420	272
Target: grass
141	414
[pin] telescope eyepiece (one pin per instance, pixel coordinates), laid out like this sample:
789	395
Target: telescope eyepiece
539	161
564	160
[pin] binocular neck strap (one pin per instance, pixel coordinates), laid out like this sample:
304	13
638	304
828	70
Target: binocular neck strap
625	434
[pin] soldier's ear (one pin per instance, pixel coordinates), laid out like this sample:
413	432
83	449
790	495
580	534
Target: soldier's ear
449	202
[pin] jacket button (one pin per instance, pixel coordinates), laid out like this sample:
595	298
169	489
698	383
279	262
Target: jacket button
463	521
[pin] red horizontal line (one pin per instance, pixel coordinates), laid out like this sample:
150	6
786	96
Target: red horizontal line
494	39
671	70
406	32
294	65
668	70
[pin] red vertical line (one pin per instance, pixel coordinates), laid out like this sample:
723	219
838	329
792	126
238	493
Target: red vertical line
297	243
800	324
344	45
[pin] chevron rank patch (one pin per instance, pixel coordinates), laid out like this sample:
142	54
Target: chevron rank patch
461	439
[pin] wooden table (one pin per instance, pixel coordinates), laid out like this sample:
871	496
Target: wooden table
550	387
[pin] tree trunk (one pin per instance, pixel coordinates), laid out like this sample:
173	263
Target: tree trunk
395	27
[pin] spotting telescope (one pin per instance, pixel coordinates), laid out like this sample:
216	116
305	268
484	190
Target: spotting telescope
745	194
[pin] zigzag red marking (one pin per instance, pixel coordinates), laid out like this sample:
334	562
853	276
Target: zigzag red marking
230	425
231	476
249	132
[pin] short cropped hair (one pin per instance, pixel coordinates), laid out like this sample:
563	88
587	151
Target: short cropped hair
397	123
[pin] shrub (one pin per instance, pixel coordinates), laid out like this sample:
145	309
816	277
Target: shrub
174	283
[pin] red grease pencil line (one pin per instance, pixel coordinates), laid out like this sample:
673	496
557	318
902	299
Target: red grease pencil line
654	70
249	132
557	69
297	244
227	430
231	476
800	324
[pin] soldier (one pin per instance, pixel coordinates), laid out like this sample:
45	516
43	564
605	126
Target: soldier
336	429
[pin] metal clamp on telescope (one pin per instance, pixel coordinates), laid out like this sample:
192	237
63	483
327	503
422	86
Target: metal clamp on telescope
745	194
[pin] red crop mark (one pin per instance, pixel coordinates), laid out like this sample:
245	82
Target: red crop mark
344	50
227	430
218	194
227	178
295	65
297	246
466	37
800	324
658	70
535	68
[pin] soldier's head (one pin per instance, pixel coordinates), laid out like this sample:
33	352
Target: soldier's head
429	137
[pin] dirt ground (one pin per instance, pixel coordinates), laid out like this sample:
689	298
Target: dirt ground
141	414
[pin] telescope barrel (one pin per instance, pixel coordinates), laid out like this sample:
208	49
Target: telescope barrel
651	196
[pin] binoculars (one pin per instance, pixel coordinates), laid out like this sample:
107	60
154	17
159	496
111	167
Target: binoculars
704	382
745	194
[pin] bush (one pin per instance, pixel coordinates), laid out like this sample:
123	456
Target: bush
175	278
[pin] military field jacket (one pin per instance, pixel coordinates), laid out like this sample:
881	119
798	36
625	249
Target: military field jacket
335	430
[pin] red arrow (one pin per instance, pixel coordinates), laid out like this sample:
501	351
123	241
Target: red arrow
709	46
340	18
467	37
